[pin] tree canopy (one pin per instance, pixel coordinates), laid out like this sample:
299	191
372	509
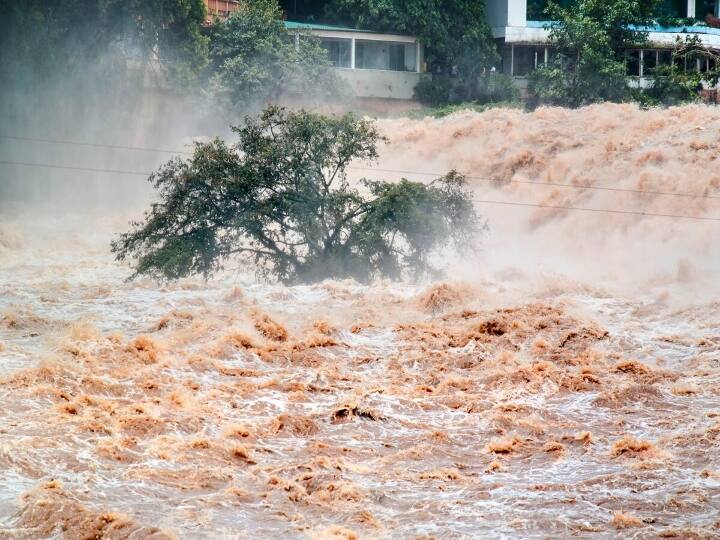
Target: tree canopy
590	37
66	63
254	59
280	198
679	81
45	39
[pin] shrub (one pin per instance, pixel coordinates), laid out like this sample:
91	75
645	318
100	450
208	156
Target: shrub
447	90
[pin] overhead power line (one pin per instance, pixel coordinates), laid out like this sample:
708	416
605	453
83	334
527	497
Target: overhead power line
96	145
550	184
71	168
378	169
600	210
481	201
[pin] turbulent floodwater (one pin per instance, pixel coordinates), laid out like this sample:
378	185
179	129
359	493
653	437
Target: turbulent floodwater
565	383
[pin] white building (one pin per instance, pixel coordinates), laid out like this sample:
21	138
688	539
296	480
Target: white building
375	65
524	43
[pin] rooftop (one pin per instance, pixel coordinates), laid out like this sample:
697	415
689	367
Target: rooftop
682	29
294	25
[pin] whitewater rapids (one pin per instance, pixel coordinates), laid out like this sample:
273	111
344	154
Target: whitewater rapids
566	382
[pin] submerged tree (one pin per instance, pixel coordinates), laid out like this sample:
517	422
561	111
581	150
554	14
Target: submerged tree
280	198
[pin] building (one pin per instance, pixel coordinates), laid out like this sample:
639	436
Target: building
523	38
220	8
375	65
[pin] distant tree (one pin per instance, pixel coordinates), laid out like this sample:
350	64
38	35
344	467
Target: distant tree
43	40
280	198
590	37
255	60
457	37
681	81
66	63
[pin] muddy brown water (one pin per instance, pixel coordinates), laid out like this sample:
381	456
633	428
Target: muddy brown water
562	386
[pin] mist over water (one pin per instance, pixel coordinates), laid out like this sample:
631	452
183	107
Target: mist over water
604	146
563	382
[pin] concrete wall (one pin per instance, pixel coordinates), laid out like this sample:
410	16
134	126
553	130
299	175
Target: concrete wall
501	13
374	83
708	36
517	12
496	13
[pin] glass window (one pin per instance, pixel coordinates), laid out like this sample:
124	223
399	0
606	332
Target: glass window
524	61
505	53
705	64
649	61
536	8
632	59
385	55
665	57
671	8
693	62
705	7
338	51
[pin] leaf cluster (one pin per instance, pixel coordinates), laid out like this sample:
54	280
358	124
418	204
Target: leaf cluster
254	60
45	40
680	81
590	37
280	198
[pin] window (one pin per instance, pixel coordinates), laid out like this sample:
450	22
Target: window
338	51
694	62
536	8
385	55
705	7
671	8
524	61
665	58
632	59
505	54
650	61
706	64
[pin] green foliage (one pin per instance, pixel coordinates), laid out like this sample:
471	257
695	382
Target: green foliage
567	82
280	198
43	40
455	33
670	9
436	90
537	9
496	87
255	60
680	81
447	90
69	65
590	38
446	110
668	22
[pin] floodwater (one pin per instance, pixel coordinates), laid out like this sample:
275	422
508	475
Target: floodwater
563	383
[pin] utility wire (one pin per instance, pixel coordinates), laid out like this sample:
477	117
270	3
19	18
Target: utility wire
96	145
599	210
481	201
552	184
69	168
378	169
